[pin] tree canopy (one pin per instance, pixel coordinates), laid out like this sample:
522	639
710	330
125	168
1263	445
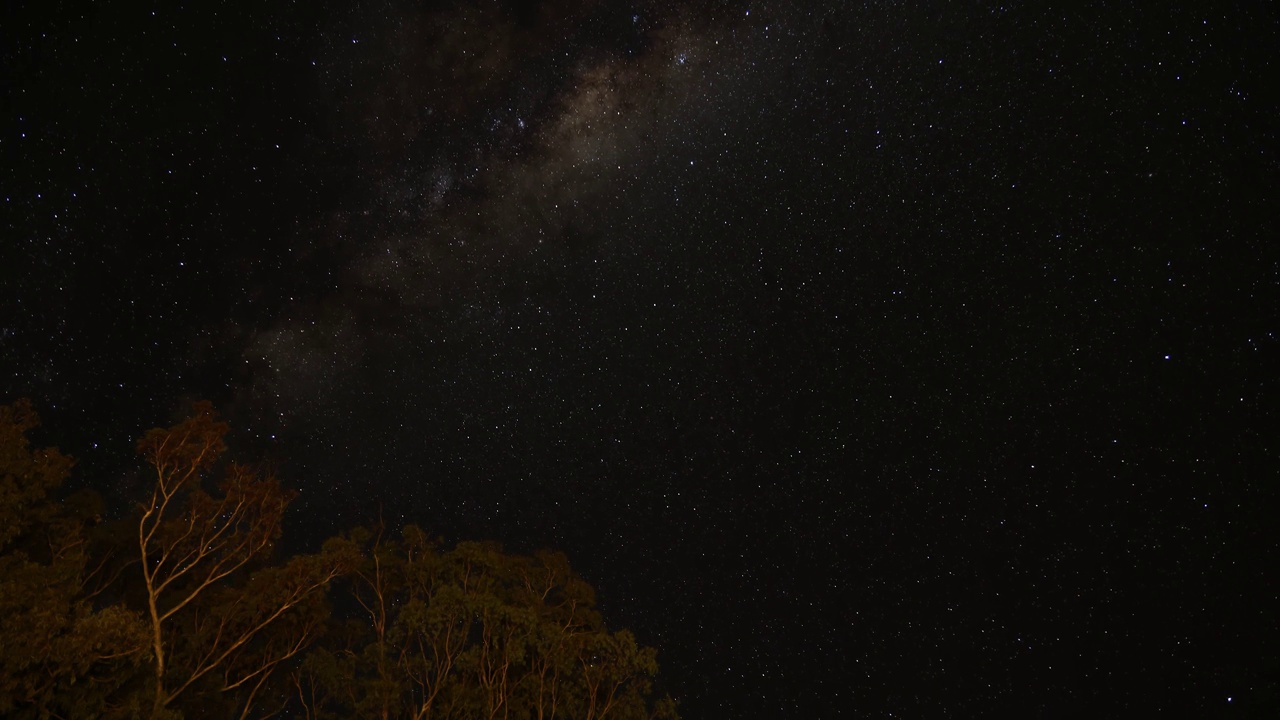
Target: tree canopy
185	609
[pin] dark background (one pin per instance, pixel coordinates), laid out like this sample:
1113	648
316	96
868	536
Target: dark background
870	359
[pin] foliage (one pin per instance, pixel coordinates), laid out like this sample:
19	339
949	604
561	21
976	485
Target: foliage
473	632
221	620
183	610
60	653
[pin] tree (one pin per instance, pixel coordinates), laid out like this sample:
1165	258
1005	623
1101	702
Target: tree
61	653
190	615
473	632
215	627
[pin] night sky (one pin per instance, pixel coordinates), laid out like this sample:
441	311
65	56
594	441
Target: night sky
870	359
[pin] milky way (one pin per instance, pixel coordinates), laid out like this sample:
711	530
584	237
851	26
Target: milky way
525	182
869	358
